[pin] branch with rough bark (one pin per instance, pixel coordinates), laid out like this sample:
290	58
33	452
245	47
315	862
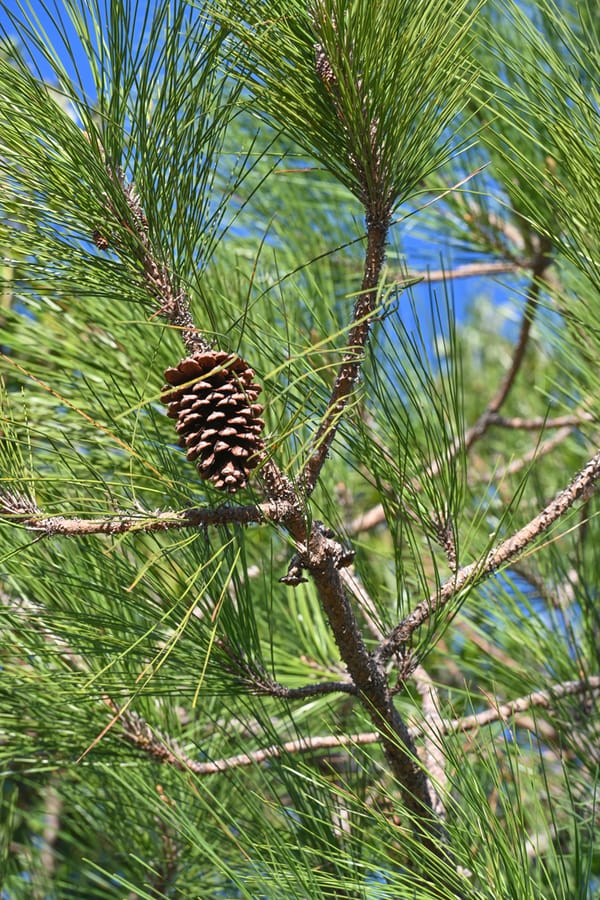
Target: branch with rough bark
164	749
258	681
544	699
21	510
159	281
321	555
348	374
508	550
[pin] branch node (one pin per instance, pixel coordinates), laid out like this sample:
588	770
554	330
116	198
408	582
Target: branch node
294	575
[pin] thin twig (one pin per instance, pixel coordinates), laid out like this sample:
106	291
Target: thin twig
173	302
376	515
544	699
511	548
538	267
469	270
539	422
434	755
259	682
540	450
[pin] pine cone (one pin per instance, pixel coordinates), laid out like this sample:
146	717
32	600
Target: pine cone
212	396
324	68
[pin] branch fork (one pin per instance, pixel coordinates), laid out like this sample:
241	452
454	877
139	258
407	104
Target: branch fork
341	557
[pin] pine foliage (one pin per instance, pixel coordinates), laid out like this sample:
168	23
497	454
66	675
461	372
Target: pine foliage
341	642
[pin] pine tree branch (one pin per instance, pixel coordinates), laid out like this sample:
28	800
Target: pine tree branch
173	302
433	757
375	195
320	688
164	749
470	575
259	682
538	267
539	422
321	557
348	374
537	452
543	699
318	553
303	745
468	270
28	516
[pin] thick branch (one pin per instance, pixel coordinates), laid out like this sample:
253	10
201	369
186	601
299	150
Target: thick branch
165	750
511	548
368	677
320	555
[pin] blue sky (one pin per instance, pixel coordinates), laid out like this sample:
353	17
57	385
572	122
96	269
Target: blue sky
50	18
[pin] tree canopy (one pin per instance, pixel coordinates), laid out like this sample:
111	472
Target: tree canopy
299	331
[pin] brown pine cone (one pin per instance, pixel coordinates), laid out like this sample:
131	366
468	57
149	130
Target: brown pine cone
212	396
